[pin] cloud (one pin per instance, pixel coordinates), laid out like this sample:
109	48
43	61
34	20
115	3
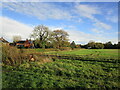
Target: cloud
86	10
52	28
96	31
112	14
83	38
45	11
113	19
109	12
11	28
102	25
90	12
39	10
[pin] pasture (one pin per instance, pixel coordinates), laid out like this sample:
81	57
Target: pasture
101	52
56	72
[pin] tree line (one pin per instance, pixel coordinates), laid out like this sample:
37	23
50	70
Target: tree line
98	45
43	37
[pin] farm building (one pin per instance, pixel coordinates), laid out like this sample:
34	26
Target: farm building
25	44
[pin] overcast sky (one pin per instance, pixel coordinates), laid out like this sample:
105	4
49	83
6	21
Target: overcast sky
84	21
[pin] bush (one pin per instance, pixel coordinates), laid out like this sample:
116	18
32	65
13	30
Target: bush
12	55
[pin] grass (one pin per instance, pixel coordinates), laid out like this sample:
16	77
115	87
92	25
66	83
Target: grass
101	53
88	51
62	74
112	53
49	72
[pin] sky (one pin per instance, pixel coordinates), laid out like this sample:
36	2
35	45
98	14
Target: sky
84	21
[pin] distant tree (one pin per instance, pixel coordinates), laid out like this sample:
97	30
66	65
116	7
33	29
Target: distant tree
95	45
59	38
49	45
84	46
108	45
91	44
118	45
115	46
73	45
99	46
16	38
78	46
41	35
66	44
91	41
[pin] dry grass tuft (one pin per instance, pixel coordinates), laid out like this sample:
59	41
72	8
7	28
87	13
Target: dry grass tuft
12	55
43	59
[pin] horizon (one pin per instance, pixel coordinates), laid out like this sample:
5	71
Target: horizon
84	21
68	41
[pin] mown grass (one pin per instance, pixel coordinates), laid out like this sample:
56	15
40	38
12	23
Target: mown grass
113	52
99	53
62	74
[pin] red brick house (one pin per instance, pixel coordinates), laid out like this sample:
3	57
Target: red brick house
25	44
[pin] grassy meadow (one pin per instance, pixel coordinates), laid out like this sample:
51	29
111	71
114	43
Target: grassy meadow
113	53
53	72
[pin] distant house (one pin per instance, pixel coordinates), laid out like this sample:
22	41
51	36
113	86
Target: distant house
25	44
2	40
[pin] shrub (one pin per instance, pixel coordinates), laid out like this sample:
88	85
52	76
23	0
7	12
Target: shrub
12	55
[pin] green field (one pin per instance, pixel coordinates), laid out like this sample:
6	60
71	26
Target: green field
102	52
65	73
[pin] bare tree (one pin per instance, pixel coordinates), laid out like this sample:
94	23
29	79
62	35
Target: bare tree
41	34
60	37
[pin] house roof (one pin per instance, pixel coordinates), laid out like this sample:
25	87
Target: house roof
20	42
23	41
3	40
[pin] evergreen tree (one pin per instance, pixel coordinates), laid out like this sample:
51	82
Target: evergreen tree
73	45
